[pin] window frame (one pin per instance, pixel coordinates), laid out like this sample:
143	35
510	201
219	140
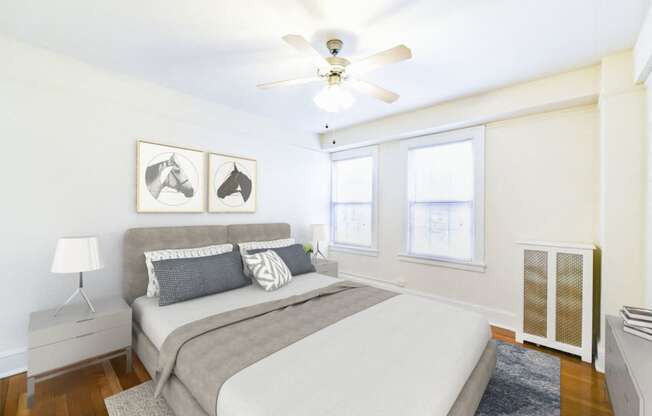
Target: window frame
476	135
367	151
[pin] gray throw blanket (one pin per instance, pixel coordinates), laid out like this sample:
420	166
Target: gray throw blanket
204	354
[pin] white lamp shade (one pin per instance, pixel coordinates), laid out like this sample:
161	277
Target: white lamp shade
319	232
76	254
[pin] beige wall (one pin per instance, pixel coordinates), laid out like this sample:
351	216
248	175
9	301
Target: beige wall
551	93
622	187
540	184
648	288
577	174
642	74
622	130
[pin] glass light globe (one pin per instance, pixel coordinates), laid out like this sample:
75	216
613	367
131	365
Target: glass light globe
334	98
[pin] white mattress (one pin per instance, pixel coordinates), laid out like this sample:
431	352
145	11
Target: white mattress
157	322
405	356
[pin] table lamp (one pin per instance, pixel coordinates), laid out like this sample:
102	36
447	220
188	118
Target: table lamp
319	233
77	255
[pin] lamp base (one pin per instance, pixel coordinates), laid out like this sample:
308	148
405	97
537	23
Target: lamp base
318	253
79	291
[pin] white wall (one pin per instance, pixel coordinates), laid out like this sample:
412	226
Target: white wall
69	136
541	183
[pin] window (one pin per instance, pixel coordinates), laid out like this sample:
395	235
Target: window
445	204
353	202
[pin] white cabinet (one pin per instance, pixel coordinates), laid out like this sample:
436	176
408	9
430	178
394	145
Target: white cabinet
556	287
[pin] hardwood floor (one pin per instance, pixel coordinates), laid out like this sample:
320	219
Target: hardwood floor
82	392
583	390
78	393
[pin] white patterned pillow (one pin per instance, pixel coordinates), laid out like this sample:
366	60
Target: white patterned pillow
268	269
251	245
177	253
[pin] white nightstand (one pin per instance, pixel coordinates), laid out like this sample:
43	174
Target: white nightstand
325	266
76	337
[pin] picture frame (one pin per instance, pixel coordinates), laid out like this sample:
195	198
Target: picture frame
169	178
232	183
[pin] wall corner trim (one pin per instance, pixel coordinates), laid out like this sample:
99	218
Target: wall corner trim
643	51
13	361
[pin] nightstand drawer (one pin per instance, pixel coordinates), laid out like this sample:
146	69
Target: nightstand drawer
327	267
81	347
81	326
73	320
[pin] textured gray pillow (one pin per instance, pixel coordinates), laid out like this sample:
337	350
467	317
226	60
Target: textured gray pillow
293	256
183	279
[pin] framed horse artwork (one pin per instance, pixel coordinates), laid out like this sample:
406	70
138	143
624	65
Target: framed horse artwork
169	178
231	183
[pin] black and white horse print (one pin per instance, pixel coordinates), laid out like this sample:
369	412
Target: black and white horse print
236	182
168	174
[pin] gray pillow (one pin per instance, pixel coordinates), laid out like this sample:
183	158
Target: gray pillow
293	256
189	278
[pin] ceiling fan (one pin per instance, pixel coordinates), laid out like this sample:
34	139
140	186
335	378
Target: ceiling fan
338	72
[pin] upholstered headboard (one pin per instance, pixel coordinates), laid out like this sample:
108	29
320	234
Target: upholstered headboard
139	240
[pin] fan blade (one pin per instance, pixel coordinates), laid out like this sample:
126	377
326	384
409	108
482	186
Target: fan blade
395	54
288	83
373	90
300	43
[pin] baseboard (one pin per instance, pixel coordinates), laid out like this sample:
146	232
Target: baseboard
13	362
599	359
496	317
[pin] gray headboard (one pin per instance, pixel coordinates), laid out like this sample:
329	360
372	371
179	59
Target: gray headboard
139	240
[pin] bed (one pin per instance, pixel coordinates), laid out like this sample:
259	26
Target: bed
403	354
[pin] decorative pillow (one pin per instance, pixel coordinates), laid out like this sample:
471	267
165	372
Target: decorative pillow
252	245
268	269
177	253
189	278
293	256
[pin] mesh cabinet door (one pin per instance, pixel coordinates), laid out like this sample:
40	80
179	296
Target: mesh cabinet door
569	299
535	273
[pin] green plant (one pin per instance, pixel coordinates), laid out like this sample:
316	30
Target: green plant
308	248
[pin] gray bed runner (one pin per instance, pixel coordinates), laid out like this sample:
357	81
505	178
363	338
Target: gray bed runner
204	354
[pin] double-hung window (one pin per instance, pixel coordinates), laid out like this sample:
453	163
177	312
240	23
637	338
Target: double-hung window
353	198
445	197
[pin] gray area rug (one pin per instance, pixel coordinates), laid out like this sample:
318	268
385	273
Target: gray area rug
525	382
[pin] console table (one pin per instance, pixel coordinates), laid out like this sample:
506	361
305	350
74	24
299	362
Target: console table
628	370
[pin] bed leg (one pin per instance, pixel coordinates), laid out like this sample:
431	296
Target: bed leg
128	360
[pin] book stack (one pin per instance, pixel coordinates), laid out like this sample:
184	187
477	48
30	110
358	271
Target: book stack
637	321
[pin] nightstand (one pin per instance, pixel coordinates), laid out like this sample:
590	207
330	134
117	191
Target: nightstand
76	337
324	266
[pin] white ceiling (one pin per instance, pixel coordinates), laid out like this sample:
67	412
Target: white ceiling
220	49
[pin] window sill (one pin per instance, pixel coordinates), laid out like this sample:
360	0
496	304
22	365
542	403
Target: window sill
354	250
451	264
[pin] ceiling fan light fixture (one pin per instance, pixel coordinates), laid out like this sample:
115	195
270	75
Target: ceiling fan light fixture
334	98
335	69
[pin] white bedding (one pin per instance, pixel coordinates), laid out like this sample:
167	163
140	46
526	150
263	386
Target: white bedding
406	356
157	322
